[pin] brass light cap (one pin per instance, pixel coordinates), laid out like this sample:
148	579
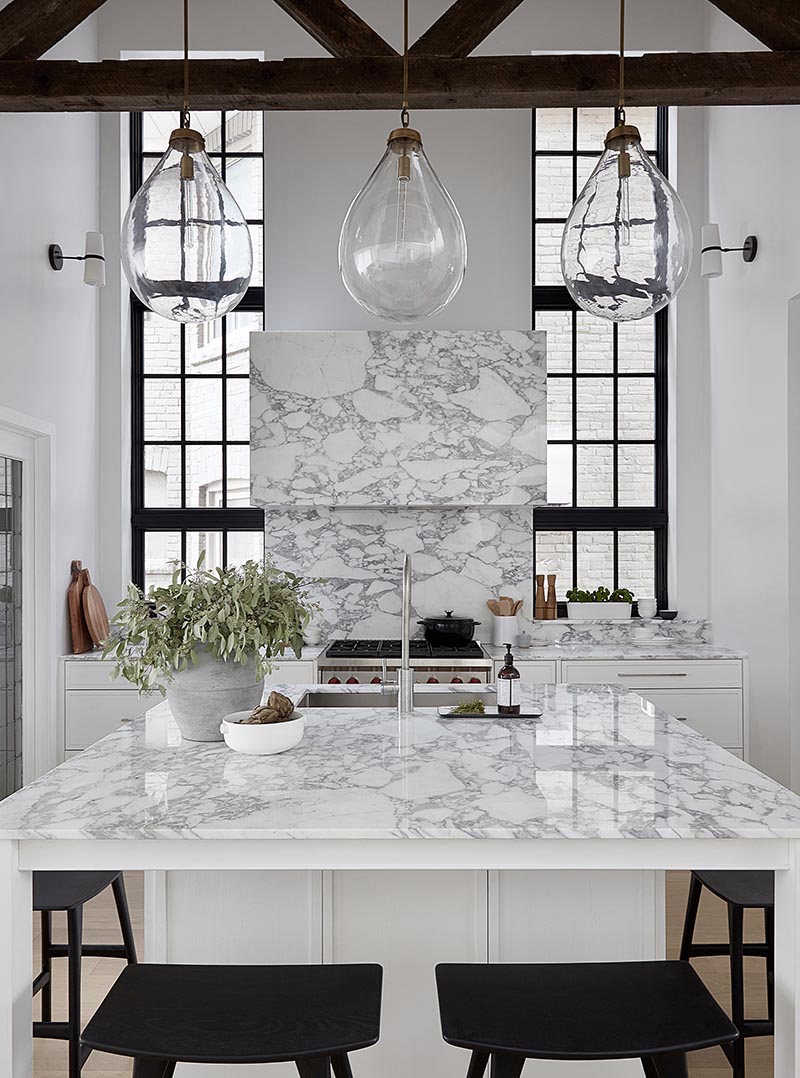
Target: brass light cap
403	134
186	140
623	135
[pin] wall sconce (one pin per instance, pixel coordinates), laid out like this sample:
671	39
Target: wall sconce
711	252
94	259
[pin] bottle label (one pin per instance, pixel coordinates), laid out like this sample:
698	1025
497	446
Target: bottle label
507	692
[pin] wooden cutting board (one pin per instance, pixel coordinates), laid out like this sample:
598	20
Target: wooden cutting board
79	631
94	610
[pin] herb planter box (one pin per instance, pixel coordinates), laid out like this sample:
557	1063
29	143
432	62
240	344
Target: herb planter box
599	611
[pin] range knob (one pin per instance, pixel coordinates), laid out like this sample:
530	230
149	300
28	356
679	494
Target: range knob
433	681
456	681
334	681
352	680
376	681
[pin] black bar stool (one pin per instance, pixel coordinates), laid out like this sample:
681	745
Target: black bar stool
162	1015
652	1011
740	891
69	891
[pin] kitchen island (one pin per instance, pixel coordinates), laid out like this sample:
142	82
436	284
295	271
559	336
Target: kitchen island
406	840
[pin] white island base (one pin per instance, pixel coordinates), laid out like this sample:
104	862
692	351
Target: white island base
408	921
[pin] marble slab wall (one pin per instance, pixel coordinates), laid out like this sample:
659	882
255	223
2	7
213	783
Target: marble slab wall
460	558
419	418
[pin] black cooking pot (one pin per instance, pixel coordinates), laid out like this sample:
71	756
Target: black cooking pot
448	631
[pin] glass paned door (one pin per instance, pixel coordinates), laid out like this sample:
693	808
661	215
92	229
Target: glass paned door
10	625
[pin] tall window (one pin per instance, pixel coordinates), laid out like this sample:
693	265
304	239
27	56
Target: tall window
606	518
191	386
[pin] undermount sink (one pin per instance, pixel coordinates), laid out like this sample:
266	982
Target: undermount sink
423	697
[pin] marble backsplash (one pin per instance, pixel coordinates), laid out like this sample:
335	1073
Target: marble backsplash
398	418
460	558
684	631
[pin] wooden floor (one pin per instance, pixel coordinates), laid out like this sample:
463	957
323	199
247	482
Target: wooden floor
100	973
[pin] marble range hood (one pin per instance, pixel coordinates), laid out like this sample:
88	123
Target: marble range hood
420	419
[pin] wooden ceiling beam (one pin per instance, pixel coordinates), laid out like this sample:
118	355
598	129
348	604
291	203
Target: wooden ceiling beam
28	28
776	23
482	82
463	27
337	28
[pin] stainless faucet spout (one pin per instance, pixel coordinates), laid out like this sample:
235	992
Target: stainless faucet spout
405	675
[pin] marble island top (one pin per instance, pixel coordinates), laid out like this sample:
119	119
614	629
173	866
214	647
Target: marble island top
600	763
623	651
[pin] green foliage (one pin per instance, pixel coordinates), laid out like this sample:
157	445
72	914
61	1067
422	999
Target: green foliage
252	612
602	595
470	707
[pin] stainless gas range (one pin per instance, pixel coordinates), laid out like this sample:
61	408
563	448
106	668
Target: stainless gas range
365	662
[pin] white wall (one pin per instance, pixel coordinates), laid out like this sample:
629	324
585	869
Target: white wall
754	161
48	353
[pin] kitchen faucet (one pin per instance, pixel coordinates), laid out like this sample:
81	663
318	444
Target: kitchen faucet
405	675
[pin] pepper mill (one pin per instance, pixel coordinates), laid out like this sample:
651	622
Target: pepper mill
551	609
540	607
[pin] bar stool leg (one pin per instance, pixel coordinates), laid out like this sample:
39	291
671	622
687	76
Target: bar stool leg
74	946
769	939
47	966
507	1066
314	1067
736	929
123	913
477	1065
690	920
341	1067
153	1068
668	1065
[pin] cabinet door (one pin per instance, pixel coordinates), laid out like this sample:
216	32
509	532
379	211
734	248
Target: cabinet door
292	673
533	673
714	713
92	713
656	673
92	674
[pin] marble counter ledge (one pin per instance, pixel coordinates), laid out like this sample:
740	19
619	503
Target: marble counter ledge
308	654
623	652
599	764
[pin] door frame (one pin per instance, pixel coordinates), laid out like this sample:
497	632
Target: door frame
32	441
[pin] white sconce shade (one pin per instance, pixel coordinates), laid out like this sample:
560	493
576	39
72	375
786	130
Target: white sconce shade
711	252
94	266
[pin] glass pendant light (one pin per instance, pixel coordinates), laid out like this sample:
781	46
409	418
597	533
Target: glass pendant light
627	244
186	248
403	248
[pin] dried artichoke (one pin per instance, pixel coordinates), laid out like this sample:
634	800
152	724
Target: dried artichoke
278	708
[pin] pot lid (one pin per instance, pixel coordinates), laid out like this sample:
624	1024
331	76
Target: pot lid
447	616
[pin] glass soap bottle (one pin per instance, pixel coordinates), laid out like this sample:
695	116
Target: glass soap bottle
508	686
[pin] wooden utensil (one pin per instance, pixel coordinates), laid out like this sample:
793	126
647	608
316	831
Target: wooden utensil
94	610
495	609
517	606
79	632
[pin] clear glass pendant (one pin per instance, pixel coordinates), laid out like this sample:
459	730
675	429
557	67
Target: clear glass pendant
403	248
186	247
627	245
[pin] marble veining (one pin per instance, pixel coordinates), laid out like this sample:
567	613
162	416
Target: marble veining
621	651
601	763
398	418
460	557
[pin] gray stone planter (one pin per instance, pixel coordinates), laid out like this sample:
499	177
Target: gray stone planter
202	695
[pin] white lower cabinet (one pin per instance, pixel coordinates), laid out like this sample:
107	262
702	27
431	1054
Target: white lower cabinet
533	673
292	673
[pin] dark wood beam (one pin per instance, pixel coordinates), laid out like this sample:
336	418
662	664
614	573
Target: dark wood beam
28	28
337	28
482	82
774	22
463	27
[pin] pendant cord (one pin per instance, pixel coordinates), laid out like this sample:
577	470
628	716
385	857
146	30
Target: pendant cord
185	116
404	110
622	61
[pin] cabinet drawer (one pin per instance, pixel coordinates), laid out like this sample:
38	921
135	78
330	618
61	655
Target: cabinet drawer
538	673
714	713
292	673
92	713
657	674
93	674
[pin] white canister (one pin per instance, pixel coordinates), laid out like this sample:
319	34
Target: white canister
647	608
505	630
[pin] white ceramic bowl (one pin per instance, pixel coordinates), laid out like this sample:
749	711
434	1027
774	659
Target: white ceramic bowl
261	738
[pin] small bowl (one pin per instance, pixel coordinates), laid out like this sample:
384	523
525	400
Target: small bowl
667	615
261	738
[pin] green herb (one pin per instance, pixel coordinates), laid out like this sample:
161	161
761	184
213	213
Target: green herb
252	612
601	595
469	707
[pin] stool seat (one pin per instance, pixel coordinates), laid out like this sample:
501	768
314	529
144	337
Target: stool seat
579	1011
238	1014
751	890
68	890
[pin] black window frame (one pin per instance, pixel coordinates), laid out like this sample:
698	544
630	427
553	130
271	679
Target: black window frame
574	519
222	519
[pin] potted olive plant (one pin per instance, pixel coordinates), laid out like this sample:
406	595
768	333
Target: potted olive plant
207	641
599	604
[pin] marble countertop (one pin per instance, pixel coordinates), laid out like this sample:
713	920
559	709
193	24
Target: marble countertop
622	651
600	763
309	654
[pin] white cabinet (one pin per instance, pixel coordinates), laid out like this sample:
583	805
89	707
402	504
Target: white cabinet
293	673
93	704
533	673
